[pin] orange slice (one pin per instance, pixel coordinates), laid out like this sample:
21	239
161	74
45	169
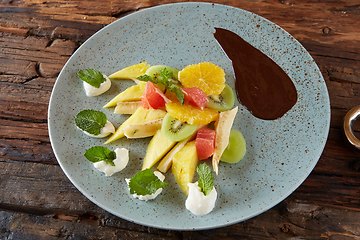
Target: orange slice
190	114
207	76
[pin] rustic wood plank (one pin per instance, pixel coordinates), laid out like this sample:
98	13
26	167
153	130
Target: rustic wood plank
345	26
33	56
23	111
17	31
286	220
33	33
27	150
333	22
42	21
25	130
25	93
31	227
36	185
294	220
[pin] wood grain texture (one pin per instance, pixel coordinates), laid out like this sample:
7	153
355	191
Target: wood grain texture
37	201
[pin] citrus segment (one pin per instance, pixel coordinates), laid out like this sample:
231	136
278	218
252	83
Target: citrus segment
191	114
207	76
153	97
195	96
205	142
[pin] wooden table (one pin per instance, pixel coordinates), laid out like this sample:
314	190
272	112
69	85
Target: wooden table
37	201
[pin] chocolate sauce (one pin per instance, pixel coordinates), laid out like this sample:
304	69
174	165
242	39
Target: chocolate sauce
261	85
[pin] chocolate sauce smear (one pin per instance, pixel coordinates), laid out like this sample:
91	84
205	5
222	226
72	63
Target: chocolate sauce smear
261	85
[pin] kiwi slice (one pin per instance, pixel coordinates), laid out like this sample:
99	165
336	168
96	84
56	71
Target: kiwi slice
236	149
153	71
176	130
222	102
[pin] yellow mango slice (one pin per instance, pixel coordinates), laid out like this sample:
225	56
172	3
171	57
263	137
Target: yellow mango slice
141	115
159	145
184	165
133	93
131	72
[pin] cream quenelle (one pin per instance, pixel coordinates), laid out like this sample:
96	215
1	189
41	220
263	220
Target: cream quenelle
148	197
104	131
121	160
93	91
197	202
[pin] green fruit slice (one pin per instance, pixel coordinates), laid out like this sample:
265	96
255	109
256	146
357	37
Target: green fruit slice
236	149
176	130
153	71
222	102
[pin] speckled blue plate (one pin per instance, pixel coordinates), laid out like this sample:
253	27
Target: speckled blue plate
280	153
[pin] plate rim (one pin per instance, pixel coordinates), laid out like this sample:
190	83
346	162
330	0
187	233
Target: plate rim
269	206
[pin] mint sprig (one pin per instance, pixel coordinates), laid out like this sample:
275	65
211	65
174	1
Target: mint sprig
91	76
99	153
145	182
166	75
167	81
206	178
91	121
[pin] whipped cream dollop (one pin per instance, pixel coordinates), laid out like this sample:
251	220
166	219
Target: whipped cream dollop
197	202
149	196
104	131
121	160
93	91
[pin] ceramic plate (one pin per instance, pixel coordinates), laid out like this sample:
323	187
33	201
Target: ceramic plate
280	153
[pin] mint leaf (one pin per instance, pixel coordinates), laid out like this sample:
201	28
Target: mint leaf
145	182
99	153
91	76
206	178
166	80
166	75
147	78
90	121
179	94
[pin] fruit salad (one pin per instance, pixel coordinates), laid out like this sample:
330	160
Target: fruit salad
188	114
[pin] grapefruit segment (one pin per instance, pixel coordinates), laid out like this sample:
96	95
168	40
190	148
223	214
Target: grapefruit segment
205	143
153	97
195	96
